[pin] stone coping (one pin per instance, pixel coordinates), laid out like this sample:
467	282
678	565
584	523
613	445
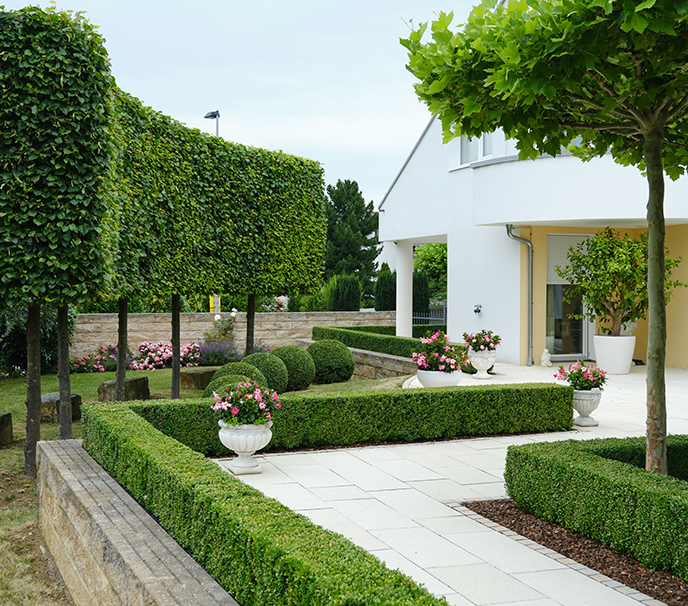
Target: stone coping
106	548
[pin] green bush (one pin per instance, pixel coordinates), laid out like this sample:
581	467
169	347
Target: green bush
600	489
241	368
386	289
345	294
272	367
418	330
421	293
216	385
334	363
300	366
255	547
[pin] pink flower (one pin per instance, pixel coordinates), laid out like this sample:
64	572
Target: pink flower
235	410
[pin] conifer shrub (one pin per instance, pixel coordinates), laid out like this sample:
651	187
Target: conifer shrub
272	367
421	293
386	289
334	363
345	294
300	366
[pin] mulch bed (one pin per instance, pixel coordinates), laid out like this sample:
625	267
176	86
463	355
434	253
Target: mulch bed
658	584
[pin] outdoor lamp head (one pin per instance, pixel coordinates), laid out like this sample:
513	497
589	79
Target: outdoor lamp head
211	115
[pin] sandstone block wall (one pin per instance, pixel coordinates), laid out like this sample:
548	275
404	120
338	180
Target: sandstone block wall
275	329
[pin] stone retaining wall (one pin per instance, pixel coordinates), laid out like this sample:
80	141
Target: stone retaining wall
275	329
105	546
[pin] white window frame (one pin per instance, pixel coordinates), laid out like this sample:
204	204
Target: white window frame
487	138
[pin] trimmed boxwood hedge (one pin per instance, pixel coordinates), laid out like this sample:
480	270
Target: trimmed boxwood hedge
272	367
419	330
334	363
601	489
300	366
257	549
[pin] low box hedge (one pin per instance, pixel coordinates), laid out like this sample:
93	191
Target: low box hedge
419	330
257	549
346	418
601	489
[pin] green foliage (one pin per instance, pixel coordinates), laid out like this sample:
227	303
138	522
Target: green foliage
238	368
610	273
600	489
345	294
352	244
386	290
300	366
334	363
54	116
272	367
13	338
255	547
220	384
421	293
432	259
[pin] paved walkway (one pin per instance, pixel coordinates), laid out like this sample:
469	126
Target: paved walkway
402	503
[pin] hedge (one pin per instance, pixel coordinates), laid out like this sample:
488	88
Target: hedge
601	489
257	549
419	330
346	418
370	338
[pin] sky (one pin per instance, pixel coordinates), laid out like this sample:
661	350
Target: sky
321	79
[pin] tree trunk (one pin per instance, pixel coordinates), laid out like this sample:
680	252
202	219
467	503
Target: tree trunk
250	323
122	344
65	432
176	346
656	449
33	389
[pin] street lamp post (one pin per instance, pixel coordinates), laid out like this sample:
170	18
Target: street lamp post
215	115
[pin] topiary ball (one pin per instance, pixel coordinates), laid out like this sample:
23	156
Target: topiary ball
219	384
334	363
241	368
300	366
272	367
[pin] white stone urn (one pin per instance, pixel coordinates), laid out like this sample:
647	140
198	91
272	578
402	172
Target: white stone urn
586	401
245	440
482	361
437	378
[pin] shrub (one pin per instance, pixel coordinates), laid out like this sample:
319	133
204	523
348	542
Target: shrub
218	353
345	294
241	368
159	355
272	367
300	366
386	290
334	363
421	293
221	383
104	361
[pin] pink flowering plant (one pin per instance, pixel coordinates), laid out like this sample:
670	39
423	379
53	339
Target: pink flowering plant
485	340
246	404
159	355
582	377
438	353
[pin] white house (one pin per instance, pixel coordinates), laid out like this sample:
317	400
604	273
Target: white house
490	209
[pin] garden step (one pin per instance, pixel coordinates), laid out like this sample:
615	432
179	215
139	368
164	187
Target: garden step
197	378
135	388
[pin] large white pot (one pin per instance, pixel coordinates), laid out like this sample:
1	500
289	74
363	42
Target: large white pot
614	355
245	440
482	361
437	378
585	401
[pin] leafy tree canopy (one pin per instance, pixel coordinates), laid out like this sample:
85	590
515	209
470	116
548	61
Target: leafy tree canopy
432	259
352	244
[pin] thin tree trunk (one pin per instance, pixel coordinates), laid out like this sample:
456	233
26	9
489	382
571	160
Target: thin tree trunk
176	346
65	432
250	323
656	448
33	389
122	344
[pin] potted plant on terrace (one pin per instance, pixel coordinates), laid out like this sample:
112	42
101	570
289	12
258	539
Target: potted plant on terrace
439	360
610	274
482	351
587	382
245	411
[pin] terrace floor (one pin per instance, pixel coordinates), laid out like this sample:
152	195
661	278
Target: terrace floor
403	503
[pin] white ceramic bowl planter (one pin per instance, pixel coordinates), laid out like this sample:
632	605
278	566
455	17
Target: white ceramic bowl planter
614	354
437	378
245	440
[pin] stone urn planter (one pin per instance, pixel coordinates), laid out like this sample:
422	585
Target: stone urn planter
245	440
437	378
614	354
482	361
586	401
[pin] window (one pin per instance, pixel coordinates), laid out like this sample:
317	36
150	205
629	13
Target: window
475	149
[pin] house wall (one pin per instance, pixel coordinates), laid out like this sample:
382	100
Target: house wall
677	309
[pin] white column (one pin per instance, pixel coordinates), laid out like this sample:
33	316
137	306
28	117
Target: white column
405	288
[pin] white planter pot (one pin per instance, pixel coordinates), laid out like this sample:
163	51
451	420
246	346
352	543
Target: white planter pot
245	440
482	361
614	355
437	378
584	402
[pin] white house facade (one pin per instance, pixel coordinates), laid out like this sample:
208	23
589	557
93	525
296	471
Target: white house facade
491	209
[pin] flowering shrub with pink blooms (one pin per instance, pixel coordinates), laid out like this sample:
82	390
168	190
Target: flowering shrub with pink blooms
246	403
159	355
104	360
438	353
485	340
582	377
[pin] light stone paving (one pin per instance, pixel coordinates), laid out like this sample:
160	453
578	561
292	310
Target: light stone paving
402	503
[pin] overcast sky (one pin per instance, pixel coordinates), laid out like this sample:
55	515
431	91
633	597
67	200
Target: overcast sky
320	79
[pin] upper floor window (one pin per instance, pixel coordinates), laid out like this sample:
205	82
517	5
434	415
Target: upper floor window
476	148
